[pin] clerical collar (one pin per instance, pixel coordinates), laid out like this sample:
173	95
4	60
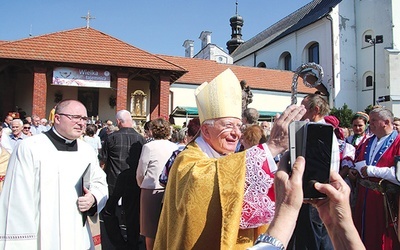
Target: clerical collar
60	142
67	141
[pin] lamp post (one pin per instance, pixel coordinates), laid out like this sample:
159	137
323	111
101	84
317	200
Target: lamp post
373	42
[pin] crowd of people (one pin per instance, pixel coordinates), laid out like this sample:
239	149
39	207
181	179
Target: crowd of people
223	181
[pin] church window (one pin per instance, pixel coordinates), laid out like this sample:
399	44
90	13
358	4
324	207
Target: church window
313	53
261	65
288	62
368	81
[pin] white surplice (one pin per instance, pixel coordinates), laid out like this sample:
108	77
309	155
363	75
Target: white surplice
38	205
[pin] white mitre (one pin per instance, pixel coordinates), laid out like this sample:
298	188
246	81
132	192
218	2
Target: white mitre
222	97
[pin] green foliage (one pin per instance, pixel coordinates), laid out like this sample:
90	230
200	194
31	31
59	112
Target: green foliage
344	115
369	108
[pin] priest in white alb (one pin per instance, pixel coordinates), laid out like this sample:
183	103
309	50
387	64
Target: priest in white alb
53	184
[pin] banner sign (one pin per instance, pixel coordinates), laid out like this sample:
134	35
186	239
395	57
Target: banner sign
81	77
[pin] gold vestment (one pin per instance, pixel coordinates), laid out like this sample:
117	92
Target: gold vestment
203	203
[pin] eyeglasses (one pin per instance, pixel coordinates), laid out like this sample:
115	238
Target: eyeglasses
27	127
229	125
75	118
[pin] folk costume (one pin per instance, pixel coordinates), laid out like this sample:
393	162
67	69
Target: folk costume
356	140
38	204
375	197
215	201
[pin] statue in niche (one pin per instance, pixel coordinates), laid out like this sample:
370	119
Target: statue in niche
137	108
138	103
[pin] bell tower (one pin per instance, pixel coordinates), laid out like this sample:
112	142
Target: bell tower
236	36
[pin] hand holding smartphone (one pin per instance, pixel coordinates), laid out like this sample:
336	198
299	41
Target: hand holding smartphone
313	141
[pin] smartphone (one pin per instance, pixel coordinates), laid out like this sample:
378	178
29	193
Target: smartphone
313	141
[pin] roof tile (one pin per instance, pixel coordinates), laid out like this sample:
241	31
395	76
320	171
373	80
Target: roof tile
83	45
201	70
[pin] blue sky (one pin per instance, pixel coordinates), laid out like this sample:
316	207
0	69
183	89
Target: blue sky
157	26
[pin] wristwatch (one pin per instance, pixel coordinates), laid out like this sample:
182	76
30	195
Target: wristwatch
271	240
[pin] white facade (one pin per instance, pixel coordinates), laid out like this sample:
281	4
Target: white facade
208	50
215	53
272	101
346	58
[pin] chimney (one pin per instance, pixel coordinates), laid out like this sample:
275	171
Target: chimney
189	48
205	38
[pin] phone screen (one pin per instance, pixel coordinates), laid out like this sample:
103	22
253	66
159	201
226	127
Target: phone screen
318	151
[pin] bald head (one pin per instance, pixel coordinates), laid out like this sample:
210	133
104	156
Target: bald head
124	119
70	119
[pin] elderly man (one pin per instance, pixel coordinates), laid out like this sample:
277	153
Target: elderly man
120	155
37	127
11	141
53	183
375	160
216	198
266	126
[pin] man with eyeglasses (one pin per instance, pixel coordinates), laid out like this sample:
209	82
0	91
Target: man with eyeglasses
37	127
215	198
53	184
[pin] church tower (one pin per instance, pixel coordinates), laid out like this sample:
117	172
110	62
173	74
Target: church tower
236	36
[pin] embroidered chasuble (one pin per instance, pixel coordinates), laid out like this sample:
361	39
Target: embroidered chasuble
38	204
204	204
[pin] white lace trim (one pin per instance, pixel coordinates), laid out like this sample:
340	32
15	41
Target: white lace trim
258	208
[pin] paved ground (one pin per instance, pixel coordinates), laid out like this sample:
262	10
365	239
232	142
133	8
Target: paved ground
95	228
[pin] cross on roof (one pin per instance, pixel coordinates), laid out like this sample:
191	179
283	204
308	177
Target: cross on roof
88	17
237	7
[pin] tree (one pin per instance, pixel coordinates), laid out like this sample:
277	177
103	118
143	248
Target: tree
344	115
370	107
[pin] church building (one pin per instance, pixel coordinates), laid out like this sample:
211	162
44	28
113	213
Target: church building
355	42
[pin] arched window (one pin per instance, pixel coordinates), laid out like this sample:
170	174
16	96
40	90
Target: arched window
288	62
285	61
261	65
368	82
313	53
